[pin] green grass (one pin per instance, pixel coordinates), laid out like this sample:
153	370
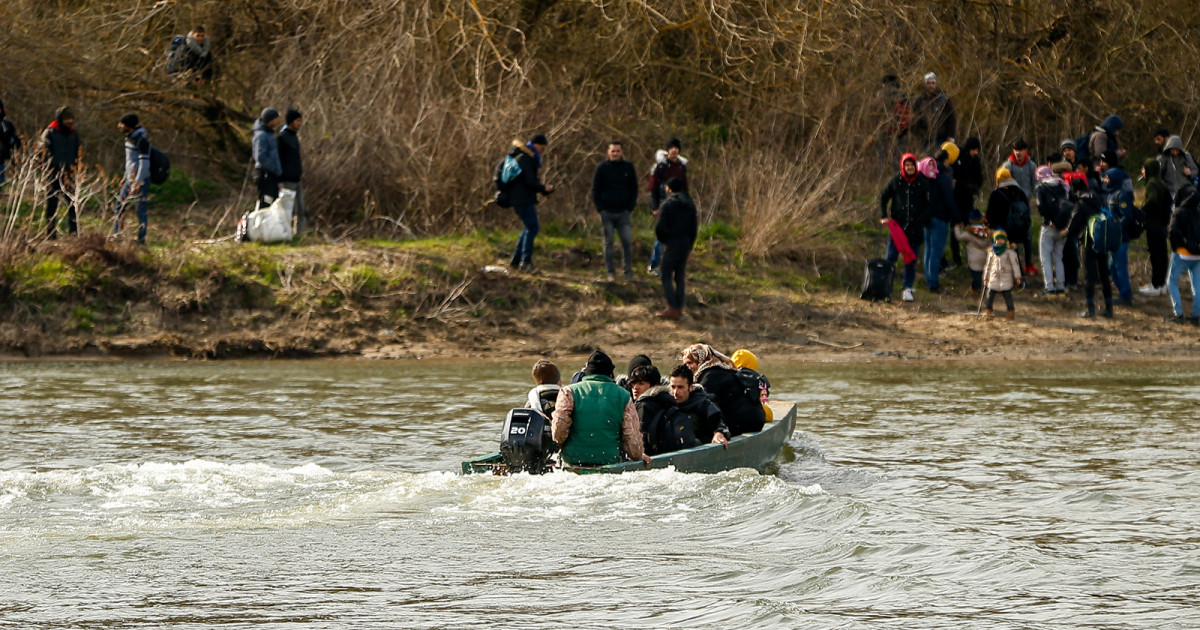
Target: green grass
179	190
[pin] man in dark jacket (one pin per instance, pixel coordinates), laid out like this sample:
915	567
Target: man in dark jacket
942	215
196	55
936	121
1157	207
1185	245
707	417
1095	263
668	164
266	156
615	193
664	427
135	188
10	141
968	179
676	229
60	154
291	167
523	191
906	200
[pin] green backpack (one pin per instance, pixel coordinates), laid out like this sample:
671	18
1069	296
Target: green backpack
1105	232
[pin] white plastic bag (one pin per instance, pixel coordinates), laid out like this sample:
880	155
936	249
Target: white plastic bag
273	224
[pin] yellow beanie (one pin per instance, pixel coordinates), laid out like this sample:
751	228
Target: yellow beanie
951	149
1002	174
744	358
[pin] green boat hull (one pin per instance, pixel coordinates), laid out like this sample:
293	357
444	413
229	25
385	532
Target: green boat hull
750	450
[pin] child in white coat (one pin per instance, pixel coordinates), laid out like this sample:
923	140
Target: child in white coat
1003	272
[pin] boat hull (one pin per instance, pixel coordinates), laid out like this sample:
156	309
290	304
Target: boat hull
752	450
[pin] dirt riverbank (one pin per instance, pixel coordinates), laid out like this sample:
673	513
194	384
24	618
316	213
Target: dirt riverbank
404	300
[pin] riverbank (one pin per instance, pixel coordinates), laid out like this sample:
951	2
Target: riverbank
454	297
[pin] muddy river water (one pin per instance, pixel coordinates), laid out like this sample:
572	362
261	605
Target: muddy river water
326	494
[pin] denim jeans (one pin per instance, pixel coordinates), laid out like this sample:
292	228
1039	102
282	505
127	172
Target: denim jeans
622	224
1178	266
910	269
523	254
143	213
1119	267
3	168
656	255
935	251
1052	244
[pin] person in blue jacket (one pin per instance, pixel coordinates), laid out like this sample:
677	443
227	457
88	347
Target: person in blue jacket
1118	196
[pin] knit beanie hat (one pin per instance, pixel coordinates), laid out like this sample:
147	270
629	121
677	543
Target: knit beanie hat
292	115
638	361
1067	144
1002	174
745	358
951	149
599	364
674	142
676	185
130	120
976	216
64	113
538	139
268	115
999	234
931	77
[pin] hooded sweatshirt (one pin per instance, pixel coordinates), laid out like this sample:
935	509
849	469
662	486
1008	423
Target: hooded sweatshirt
61	143
1172	166
1157	202
137	156
10	141
1185	222
266	149
1104	137
1024	172
1119	197
907	200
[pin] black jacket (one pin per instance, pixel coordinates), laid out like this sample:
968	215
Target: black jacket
665	428
677	224
742	413
706	416
615	186
1185	221
999	203
62	147
9	139
968	179
523	190
908	203
289	156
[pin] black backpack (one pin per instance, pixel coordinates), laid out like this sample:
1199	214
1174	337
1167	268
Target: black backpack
1018	219
1081	147
669	430
160	166
175	54
1054	205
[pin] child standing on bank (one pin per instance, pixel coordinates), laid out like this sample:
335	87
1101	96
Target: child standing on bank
975	236
1003	273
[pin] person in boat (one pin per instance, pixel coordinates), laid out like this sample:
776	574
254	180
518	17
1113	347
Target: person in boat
747	363
692	400
664	427
716	373
595	421
548	382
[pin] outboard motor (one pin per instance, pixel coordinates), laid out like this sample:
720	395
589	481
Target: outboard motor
525	442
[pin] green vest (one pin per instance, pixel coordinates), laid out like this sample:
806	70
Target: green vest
595	436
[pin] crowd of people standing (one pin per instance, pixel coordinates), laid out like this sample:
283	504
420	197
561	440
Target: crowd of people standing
1081	192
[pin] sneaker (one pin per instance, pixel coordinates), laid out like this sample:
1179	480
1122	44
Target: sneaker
1124	302
1173	319
1151	290
1195	321
908	295
1030	270
938	290
654	271
670	313
1163	290
950	267
612	277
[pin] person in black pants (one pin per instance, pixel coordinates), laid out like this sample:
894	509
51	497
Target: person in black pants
676	229
1094	263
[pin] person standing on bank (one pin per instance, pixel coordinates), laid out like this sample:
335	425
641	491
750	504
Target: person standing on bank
266	156
136	184
523	190
60	153
615	193
676	229
10	141
936	122
906	199
1095	263
668	164
1157	207
1185	245
292	168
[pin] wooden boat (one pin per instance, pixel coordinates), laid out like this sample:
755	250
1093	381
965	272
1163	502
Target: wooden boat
750	450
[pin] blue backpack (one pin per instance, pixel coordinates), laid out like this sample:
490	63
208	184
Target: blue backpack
1105	231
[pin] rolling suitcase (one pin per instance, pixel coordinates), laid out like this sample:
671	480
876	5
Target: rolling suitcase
877	280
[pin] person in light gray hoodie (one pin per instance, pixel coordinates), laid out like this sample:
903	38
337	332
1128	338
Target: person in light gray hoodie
1024	172
266	156
1178	166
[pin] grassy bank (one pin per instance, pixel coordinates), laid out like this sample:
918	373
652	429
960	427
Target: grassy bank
197	298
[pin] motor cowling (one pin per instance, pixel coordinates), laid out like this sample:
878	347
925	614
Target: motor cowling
525	442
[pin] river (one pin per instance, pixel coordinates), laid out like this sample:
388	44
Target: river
326	494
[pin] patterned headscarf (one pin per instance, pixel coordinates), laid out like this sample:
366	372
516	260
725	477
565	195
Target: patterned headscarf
705	357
